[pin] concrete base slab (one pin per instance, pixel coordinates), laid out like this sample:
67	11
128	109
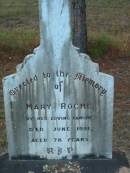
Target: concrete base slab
90	165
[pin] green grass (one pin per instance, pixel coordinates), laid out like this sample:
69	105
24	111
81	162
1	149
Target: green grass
99	45
19	41
107	2
15	13
108	26
102	44
110	16
18	8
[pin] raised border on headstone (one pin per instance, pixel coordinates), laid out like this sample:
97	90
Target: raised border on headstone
58	105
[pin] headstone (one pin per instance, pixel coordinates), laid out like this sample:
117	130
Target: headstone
58	105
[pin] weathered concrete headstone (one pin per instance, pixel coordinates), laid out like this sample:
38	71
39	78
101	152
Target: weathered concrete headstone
58	105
